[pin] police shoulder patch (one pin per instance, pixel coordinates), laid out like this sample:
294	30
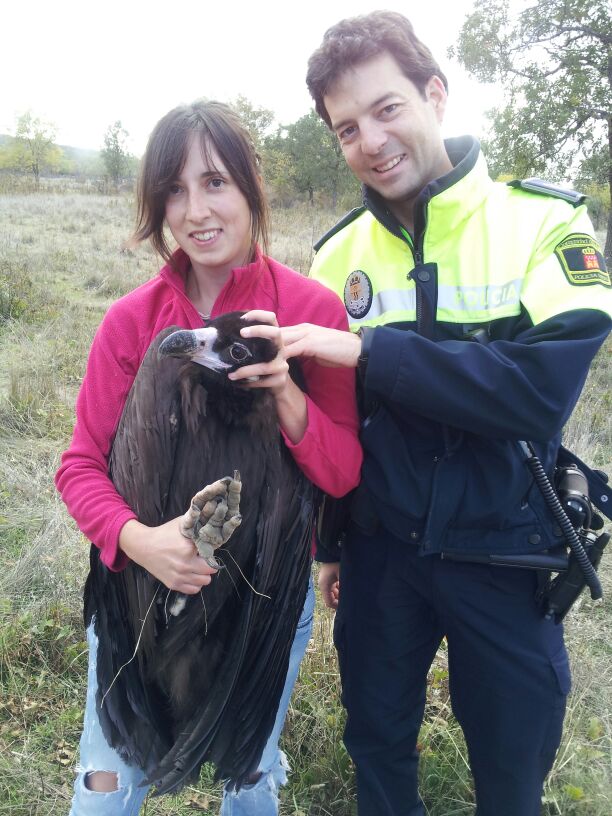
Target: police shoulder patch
582	260
358	294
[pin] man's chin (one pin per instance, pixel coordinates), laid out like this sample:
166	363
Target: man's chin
397	190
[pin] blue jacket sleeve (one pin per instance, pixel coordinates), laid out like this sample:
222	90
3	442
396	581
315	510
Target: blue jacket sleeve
523	388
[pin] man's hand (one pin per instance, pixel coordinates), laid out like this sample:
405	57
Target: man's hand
329	347
329	584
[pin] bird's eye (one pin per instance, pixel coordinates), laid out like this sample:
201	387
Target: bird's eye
239	352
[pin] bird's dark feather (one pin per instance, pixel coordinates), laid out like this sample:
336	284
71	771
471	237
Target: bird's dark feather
204	685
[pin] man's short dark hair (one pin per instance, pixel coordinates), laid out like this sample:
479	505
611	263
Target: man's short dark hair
358	39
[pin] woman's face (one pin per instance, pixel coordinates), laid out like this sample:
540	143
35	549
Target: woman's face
208	214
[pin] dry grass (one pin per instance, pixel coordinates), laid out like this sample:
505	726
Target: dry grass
62	261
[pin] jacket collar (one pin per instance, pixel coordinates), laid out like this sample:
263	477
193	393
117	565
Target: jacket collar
245	277
458	192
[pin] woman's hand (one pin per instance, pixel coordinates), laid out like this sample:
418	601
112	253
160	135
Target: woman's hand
290	401
329	347
273	375
167	554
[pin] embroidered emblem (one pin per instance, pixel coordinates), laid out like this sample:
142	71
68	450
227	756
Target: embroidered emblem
582	261
358	294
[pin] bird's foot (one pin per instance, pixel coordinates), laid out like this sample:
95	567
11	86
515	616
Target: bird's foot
207	552
213	516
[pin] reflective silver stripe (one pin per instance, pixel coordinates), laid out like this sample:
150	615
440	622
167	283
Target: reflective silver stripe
450	298
390	300
479	298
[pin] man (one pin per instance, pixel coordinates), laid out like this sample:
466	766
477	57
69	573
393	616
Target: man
479	308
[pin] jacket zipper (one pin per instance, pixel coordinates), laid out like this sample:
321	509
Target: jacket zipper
416	247
420	224
392	225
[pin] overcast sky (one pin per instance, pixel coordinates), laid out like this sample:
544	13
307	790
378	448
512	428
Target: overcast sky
83	65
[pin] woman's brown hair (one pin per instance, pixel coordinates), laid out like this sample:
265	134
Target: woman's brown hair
218	127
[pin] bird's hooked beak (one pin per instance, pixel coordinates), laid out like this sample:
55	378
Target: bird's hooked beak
178	344
195	345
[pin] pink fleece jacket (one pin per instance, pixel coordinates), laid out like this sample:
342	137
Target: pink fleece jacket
329	453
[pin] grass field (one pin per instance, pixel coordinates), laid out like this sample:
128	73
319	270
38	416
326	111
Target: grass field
62	262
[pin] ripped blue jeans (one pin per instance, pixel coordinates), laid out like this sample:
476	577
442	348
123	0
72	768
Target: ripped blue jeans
260	799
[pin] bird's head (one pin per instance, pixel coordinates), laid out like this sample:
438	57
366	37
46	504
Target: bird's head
219	346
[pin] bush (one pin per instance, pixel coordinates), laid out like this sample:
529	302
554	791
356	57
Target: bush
15	289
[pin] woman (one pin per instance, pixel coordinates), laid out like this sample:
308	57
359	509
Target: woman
200	179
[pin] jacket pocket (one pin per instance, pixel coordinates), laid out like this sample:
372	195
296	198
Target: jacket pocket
561	669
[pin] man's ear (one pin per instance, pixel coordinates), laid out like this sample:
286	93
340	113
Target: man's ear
437	96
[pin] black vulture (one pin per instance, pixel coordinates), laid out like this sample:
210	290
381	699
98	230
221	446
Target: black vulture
188	679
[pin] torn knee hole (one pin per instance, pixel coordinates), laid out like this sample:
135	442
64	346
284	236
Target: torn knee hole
101	781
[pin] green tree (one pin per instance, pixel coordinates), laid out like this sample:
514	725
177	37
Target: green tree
278	171
592	179
32	149
316	160
257	121
553	60
115	155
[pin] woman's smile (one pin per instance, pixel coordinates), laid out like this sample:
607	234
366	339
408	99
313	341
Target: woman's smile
205	237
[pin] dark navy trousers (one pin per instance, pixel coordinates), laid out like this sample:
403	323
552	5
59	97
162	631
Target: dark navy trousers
508	673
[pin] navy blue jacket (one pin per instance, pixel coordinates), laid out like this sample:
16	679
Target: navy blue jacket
443	414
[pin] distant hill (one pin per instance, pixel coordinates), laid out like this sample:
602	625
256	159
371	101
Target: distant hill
80	154
73	153
80	160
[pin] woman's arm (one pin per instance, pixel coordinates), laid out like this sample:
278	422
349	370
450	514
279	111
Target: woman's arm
320	427
290	401
82	478
85	486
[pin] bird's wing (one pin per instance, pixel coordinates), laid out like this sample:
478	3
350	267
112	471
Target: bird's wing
143	457
204	685
283	575
129	708
233	724
124	605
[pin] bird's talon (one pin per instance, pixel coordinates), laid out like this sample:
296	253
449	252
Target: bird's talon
212	562
207	551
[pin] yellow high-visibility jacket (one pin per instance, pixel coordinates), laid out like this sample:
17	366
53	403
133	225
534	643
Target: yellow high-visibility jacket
516	266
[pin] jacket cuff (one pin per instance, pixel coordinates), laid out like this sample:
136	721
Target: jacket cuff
329	554
366	334
384	354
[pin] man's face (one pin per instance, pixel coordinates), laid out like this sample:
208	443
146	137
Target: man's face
389	132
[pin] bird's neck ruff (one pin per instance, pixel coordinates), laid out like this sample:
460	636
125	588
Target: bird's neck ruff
203	390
